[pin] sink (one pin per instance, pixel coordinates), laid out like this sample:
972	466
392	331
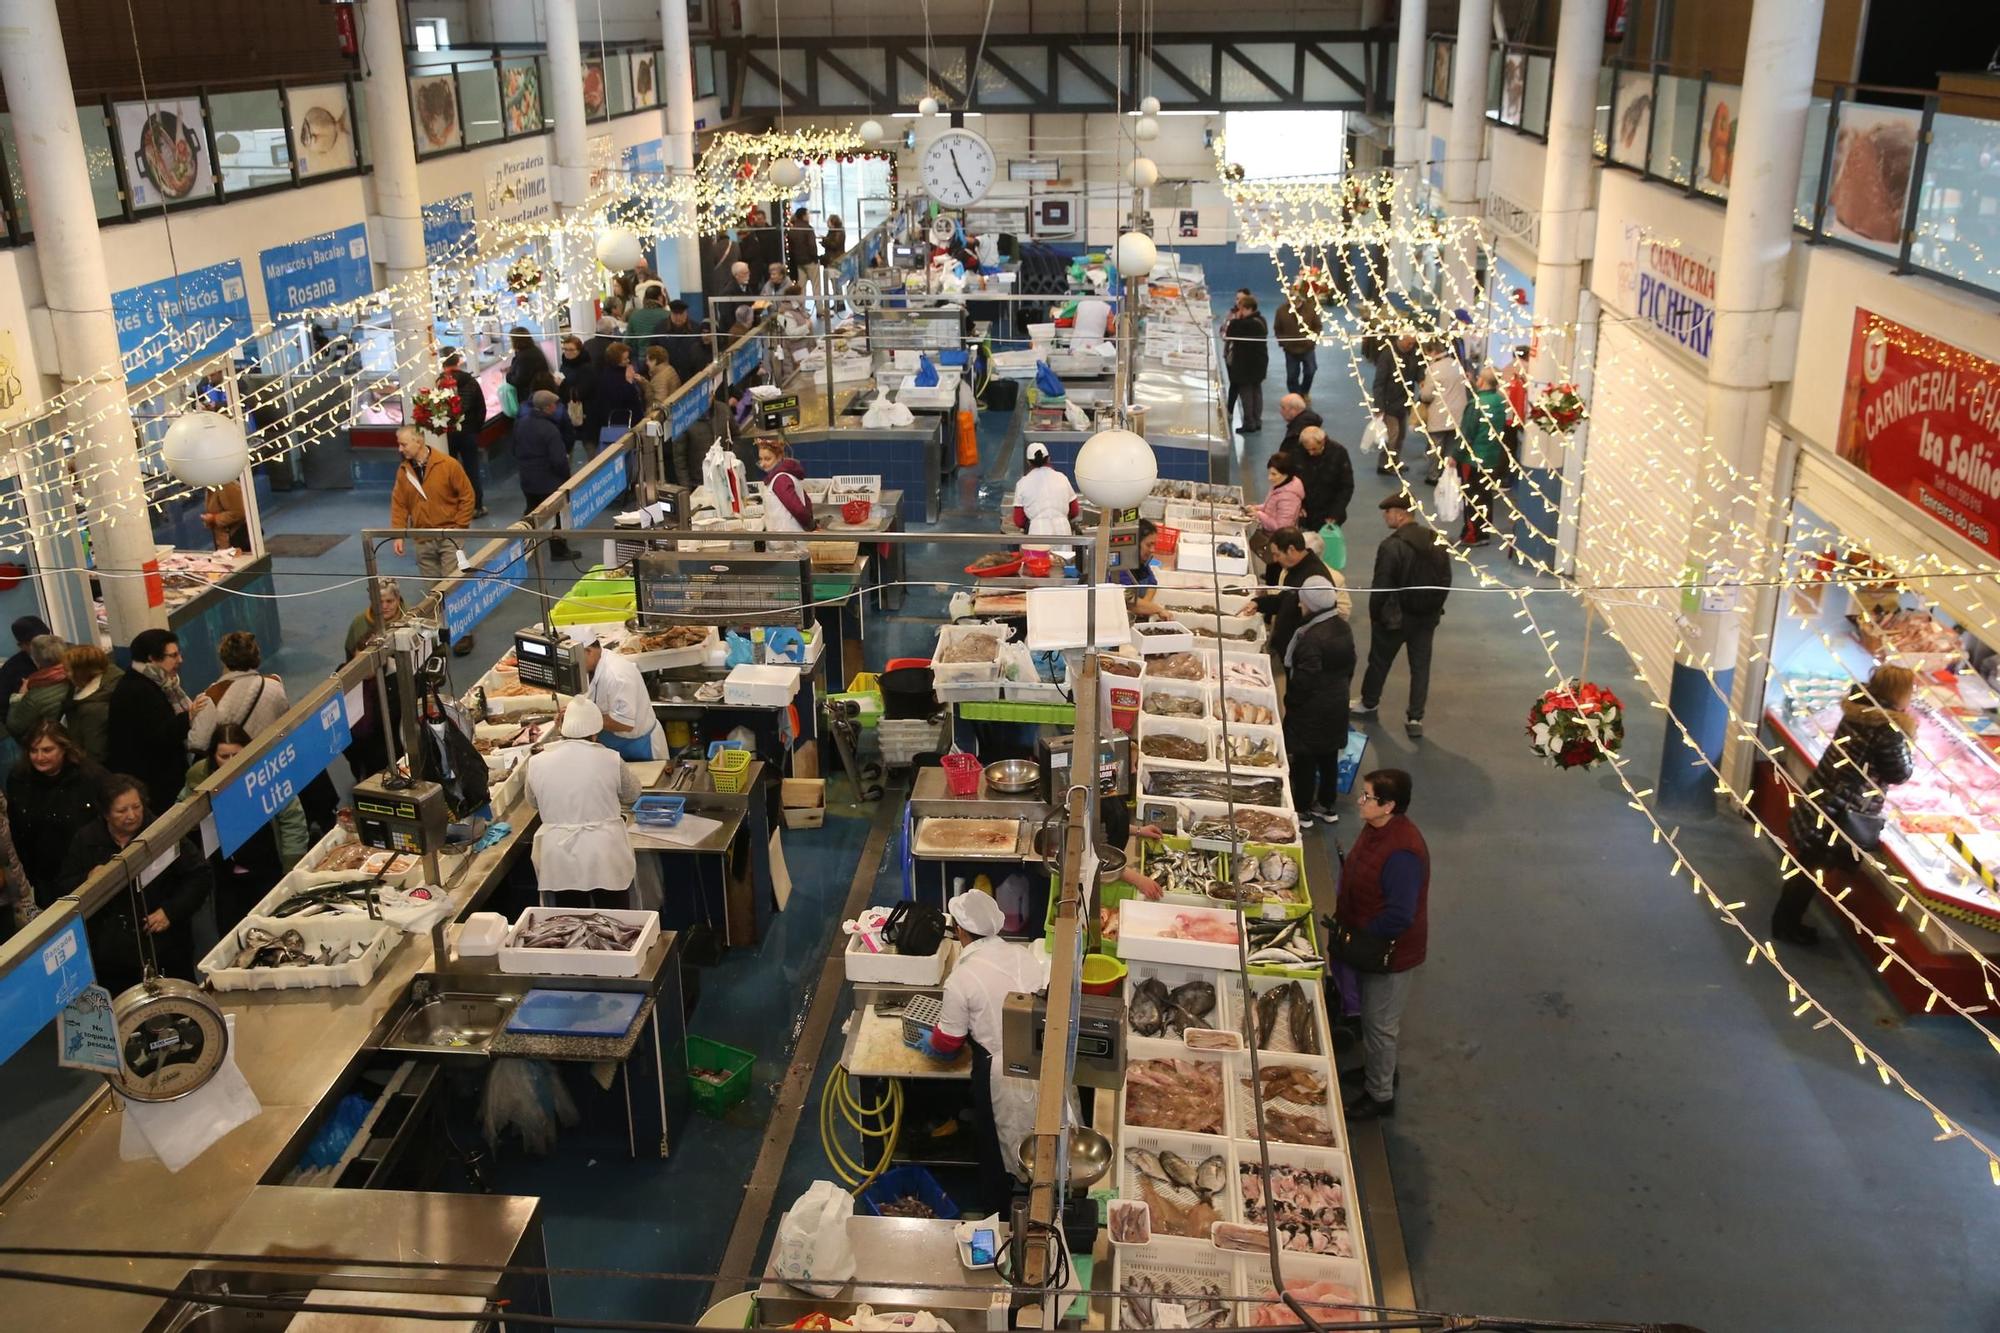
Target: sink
451	1024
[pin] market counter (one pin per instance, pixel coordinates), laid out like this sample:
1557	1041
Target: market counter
293	1047
903	1259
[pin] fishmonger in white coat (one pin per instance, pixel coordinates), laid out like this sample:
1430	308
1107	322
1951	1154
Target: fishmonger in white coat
1045	504
581	789
975	993
619	690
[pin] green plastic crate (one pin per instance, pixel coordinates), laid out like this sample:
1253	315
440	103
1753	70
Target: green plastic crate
715	1099
599	596
1014	710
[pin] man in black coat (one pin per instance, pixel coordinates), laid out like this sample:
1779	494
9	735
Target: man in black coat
1298	415
542	455
149	718
1328	474
1412	578
1246	355
464	442
1319	668
1296	563
1399	373
685	340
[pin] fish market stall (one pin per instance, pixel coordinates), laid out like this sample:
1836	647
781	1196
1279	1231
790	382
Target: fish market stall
207	594
901	1261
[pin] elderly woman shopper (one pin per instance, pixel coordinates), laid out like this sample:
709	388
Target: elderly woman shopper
149	923
243	695
1870	752
1319	669
45	692
149	717
92	678
53	794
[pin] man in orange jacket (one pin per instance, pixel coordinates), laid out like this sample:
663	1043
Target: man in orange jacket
432	491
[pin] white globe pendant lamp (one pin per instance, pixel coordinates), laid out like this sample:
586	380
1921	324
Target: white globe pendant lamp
205	449
870	131
1149	106
927	106
786	172
1146	128
1145	172
618	249
1136	254
1116	469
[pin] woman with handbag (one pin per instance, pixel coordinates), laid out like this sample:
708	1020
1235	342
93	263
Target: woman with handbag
1380	929
1870	752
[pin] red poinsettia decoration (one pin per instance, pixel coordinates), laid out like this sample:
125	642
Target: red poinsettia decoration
438	410
1576	725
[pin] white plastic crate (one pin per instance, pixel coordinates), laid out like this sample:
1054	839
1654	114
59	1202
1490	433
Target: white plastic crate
1199	598
1171	975
1328	1161
1139	924
1152	1275
376	938
1193	729
1281	1037
1249	696
1163	636
1197	554
1236	733
1157	686
865	965
1322	1117
1059	618
519	959
1177	1211
960	673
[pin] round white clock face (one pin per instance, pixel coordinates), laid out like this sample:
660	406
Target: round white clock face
958	168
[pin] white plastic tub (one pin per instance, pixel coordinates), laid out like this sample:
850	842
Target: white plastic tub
1163	636
1140	924
1193	729
1158	686
1057	618
520	960
377	938
768	686
963	673
864	964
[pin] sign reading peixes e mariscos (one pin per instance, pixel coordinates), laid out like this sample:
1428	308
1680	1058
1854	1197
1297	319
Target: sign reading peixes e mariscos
1922	417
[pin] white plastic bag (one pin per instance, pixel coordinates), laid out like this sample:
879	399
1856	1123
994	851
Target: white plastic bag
1374	437
1447	501
813	1251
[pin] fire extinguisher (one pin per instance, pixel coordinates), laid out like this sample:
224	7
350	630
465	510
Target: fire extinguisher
1614	20
343	23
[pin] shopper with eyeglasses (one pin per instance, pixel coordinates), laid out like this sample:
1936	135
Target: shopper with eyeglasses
1385	884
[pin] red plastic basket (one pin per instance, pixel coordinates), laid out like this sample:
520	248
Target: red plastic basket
1165	540
1037	564
1006	571
962	772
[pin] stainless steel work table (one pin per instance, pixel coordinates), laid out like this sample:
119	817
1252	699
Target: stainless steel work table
293	1047
743	815
896	1257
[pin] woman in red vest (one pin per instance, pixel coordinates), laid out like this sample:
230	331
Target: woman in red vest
1385	888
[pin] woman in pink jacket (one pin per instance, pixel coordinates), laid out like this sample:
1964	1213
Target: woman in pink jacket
1287	495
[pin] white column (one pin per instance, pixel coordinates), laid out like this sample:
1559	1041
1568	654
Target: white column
1410	93
1566	186
77	290
677	101
397	207
1464	146
1778	67
572	166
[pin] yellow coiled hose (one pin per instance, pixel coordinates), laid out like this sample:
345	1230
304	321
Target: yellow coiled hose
867	1121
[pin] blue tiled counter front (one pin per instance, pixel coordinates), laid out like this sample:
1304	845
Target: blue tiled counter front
910	459
202	622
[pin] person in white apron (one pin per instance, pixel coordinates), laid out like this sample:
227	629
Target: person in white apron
1045	504
580	788
988	969
619	690
787	507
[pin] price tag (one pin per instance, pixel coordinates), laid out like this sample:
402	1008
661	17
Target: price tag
87	1034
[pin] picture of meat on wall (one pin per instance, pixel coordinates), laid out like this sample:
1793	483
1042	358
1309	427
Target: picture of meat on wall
1870	186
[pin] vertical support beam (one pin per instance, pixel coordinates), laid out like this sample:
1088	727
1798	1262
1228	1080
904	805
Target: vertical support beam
565	66
77	289
398	206
677	103
1410	95
1778	69
1464	148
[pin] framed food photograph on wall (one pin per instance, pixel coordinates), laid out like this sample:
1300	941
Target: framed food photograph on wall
1632	118
434	107
1513	86
645	75
593	89
1717	146
322	129
1873	155
165	145
521	97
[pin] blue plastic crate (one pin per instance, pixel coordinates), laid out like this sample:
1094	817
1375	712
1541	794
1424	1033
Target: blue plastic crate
893	1185
717	747
656	811
1350	758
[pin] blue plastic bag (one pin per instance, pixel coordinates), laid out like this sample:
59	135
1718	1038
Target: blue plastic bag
739	652
785	643
1047	382
926	376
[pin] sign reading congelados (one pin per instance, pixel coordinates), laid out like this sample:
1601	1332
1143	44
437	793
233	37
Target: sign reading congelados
1670	287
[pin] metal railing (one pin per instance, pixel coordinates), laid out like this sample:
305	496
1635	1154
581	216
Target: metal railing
1922	198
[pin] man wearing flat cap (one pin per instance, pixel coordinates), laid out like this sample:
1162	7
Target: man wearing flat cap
1412	579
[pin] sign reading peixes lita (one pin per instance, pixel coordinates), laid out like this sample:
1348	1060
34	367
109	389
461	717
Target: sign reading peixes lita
1923	418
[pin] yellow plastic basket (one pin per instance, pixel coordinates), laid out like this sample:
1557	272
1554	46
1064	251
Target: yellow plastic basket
729	770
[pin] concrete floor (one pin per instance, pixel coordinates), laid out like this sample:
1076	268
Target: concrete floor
1603	1115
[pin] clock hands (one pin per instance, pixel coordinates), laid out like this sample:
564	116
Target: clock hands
960	173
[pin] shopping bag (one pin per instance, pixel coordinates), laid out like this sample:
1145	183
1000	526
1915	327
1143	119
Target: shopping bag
814	1254
1333	546
1447	500
510	399
1046	381
926	376
1375	437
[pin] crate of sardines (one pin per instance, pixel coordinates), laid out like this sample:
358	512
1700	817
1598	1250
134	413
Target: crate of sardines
273	953
579	942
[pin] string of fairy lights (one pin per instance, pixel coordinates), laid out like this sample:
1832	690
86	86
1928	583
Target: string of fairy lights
1328	207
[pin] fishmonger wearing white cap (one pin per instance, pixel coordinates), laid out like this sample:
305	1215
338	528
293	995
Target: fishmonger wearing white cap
988	969
581	788
616	687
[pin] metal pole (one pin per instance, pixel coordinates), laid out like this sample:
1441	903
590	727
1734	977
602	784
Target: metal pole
676	83
572	181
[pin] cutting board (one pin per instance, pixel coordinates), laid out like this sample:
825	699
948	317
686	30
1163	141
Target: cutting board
575	1013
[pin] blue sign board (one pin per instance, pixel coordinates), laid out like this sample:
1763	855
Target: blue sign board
746	357
253	798
594	494
446	223
208	309
690	407
320	270
38	987
481	589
